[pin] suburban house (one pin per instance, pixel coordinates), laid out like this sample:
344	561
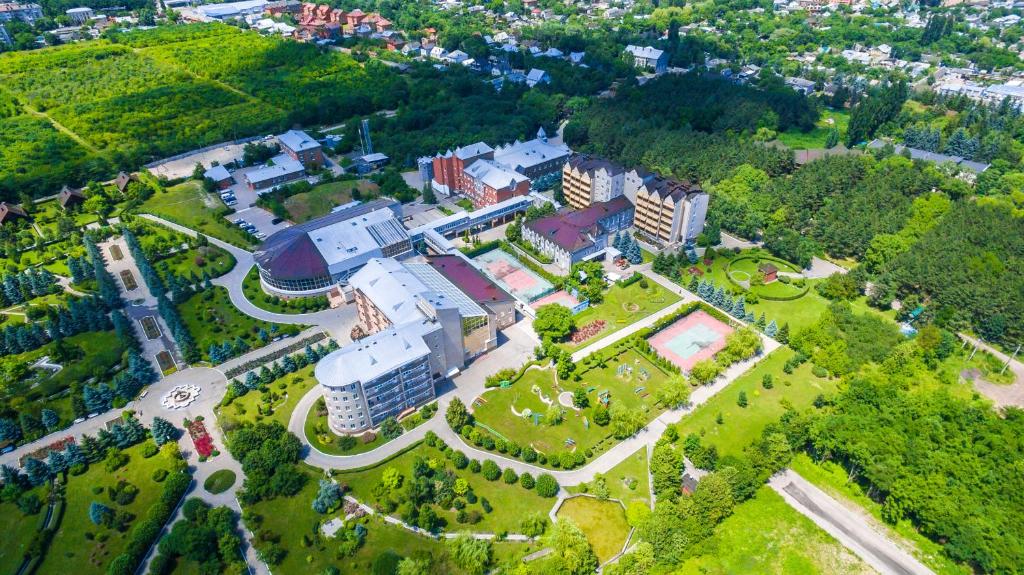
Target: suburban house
301	147
537	76
220	176
648	58
70	197
572	236
122	180
11	212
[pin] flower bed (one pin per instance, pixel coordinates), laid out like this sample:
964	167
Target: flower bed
43	452
588	331
200	438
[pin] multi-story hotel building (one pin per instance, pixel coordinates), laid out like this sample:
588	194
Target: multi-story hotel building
586	180
422	329
667	211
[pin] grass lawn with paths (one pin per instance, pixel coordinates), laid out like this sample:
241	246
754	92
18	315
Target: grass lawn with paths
628	481
188	205
742	425
70	551
19	530
511	503
495	411
216	321
623	306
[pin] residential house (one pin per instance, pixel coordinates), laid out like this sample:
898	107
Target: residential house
70	198
537	76
11	212
648	58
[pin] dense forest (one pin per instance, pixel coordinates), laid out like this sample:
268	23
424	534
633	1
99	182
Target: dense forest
951	466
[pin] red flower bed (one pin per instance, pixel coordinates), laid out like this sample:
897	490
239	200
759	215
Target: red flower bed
43	452
588	331
200	438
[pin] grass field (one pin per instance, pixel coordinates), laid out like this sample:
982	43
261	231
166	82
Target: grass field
219	481
496	412
261	299
292	518
188	205
18	530
511	503
816	138
276	404
832	478
623	306
768	537
603	522
99	353
321	199
216	321
70	551
628	481
742	425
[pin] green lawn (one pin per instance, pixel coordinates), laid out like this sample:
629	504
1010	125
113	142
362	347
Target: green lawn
293	518
628	481
814	139
219	481
216	321
52	256
511	503
18	529
623	306
322	438
832	478
188	205
768	537
321	199
261	299
99	353
798	313
276	404
70	551
495	411
603	522
741	426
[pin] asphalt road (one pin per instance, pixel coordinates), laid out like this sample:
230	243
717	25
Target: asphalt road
847	526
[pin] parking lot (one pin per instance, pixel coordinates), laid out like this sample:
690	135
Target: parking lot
261	219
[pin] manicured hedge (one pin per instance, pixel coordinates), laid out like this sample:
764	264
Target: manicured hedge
481	248
728	276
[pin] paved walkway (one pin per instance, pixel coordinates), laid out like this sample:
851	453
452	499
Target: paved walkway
140	303
336	321
851	529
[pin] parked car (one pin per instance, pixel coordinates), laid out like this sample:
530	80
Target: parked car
276	221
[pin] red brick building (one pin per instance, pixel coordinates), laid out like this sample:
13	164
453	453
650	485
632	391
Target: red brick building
449	167
487	183
302	147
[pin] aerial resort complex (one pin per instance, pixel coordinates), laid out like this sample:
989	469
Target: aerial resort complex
511	288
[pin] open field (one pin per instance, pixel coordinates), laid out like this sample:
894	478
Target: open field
496	410
187	204
742	425
19	530
603	522
798	140
318	202
766	536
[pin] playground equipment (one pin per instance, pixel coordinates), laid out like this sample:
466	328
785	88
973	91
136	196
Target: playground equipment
644	374
586	423
505	384
604	397
569	442
639	390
